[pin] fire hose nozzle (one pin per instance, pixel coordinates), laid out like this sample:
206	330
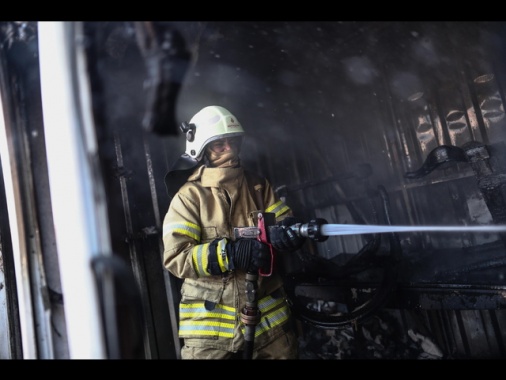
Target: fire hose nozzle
311	230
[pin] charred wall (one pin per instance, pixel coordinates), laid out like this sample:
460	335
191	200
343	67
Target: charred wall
335	111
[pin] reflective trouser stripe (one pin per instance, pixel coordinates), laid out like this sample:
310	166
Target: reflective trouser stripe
274	312
196	320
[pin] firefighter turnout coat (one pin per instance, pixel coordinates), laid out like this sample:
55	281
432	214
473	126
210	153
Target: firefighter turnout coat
207	207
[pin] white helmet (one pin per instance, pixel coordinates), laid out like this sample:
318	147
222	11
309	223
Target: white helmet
209	124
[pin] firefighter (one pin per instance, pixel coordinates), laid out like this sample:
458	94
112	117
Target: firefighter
218	194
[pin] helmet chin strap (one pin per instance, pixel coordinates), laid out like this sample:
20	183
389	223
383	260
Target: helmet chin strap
228	159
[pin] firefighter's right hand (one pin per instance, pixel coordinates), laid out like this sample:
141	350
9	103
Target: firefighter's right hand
249	255
283	238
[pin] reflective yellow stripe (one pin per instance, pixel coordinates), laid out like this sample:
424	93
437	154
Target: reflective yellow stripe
196	320
222	254
274	312
184	228
200	254
206	328
278	208
198	308
200	257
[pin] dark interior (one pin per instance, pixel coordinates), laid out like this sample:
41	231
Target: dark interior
389	123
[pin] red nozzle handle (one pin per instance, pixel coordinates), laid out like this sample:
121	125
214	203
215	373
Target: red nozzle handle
262	236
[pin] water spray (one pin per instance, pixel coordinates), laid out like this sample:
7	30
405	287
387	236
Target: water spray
319	230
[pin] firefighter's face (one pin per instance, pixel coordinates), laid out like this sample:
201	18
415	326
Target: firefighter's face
225	144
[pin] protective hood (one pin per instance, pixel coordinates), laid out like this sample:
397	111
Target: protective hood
179	173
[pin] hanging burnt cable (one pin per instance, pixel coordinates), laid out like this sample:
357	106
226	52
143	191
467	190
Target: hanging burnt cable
166	59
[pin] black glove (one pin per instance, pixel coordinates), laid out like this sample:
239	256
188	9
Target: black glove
283	238
249	255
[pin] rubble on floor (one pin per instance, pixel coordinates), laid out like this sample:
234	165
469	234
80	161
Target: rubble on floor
380	337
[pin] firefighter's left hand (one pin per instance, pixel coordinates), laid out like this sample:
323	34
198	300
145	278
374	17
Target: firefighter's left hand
283	238
249	255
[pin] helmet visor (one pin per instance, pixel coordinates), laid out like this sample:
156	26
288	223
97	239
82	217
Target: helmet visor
224	144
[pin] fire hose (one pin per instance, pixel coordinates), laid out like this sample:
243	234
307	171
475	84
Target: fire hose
250	314
319	230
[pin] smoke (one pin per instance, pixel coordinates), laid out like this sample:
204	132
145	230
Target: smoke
360	70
